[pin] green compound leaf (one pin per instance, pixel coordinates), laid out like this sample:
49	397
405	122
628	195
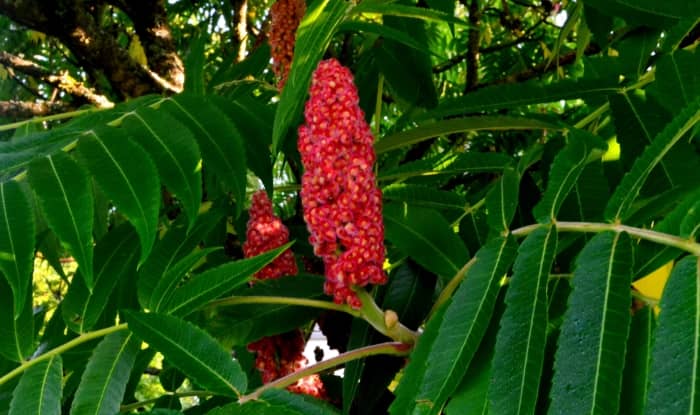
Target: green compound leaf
103	383
502	200
675	364
191	350
16	241
175	153
39	389
620	203
127	175
564	173
464	324
313	37
65	195
519	355
425	236
216	282
591	353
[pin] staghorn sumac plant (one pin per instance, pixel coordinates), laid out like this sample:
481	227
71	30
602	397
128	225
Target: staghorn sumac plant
487	208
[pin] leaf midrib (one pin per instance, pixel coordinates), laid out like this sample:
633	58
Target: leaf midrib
427	241
112	368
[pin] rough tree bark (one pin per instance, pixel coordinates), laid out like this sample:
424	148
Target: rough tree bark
76	23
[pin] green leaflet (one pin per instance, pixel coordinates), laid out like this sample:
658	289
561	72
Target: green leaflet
620	203
16	241
216	282
313	37
400	10
253	118
302	404
128	176
362	26
191	350
675	363
115	258
174	151
16	332
178	241
502	200
417	362
425	196
413	85
16	154
677	83
635	382
464	324
513	95
360	332
219	140
426	236
517	363
591	353
102	385
448	164
459	125
638	120
647	12
194	64
39	389
278	402
564	173
162	293
65	195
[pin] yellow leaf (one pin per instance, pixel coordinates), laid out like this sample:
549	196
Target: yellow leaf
3	73
652	285
136	51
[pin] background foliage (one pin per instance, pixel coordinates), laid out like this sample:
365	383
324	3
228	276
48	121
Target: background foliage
537	160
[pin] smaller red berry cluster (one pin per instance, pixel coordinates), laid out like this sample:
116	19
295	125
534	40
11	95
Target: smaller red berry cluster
280	355
284	355
341	201
264	232
286	16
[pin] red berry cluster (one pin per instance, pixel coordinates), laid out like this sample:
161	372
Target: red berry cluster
280	355
341	201
265	231
286	16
